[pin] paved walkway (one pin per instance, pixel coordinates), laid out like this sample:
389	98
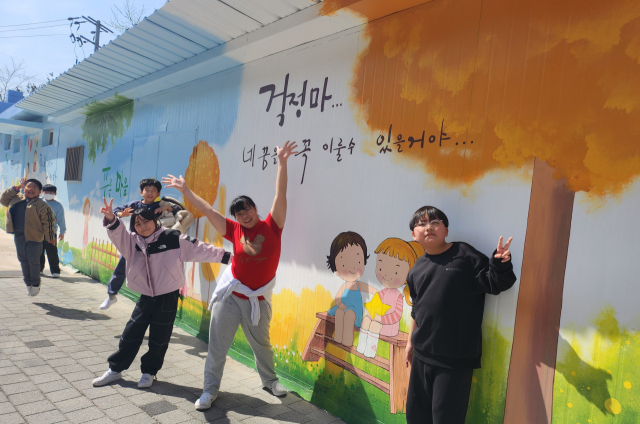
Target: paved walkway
53	345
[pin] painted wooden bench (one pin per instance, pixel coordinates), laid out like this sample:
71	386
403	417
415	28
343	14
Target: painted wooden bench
398	373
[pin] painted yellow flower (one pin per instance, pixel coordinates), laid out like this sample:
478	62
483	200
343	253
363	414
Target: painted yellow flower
613	406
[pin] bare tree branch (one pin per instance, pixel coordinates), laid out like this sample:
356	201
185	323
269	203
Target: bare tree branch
126	16
12	77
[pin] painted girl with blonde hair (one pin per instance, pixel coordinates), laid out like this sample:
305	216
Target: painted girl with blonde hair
395	258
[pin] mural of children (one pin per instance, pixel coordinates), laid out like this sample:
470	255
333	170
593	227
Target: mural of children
86	211
347	259
395	259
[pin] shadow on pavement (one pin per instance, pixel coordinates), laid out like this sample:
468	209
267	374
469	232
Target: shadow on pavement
71	313
198	347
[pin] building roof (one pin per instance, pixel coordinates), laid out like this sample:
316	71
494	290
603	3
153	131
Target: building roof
179	38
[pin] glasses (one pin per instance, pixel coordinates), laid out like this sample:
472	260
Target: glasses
435	224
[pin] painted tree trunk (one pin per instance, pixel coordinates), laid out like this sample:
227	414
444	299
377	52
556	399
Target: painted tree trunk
533	358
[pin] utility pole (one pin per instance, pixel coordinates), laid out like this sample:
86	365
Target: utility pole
99	27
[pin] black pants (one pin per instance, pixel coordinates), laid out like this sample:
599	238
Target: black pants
52	256
118	277
29	257
158	313
437	395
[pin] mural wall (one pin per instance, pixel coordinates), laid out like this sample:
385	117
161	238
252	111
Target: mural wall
515	118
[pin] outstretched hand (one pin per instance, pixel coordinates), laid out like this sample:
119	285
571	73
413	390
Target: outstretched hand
126	212
107	210
503	252
287	150
172	182
23	182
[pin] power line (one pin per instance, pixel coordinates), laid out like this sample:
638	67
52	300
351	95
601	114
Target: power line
29	29
40	35
33	23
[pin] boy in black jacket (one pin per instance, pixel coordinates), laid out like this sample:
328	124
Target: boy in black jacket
447	285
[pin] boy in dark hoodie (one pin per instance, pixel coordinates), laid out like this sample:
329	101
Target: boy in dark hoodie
448	286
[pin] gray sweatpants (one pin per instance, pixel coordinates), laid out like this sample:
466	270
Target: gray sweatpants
29	256
225	318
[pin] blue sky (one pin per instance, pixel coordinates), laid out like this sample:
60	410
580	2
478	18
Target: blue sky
54	51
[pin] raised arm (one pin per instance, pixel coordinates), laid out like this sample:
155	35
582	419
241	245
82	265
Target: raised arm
494	274
216	219
118	234
279	208
193	250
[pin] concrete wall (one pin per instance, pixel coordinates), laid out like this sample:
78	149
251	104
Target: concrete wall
514	102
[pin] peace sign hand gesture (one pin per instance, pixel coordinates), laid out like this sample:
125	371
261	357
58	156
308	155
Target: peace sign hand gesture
107	210
503	251
287	150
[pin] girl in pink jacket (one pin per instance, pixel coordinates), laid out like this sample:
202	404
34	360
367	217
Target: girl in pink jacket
155	269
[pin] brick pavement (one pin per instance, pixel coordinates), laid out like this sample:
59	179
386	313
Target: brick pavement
53	345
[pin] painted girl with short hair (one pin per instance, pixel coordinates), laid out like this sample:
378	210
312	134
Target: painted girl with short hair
347	258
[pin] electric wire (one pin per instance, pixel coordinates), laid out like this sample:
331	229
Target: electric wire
29	29
33	23
40	35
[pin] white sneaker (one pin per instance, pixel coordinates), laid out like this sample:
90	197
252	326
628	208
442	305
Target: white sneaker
56	275
146	381
29	291
276	389
205	401
107	377
108	302
35	290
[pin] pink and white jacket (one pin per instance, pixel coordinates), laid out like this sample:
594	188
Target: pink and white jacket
155	264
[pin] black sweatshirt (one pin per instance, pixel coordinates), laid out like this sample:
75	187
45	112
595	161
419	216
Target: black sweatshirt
448	303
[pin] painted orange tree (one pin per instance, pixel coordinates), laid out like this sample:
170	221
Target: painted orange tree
548	85
203	176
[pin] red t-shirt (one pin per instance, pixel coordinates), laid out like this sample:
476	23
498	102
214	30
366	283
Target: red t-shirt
256	252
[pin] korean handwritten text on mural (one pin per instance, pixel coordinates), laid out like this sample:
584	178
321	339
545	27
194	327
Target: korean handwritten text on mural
289	98
335	145
385	142
121	185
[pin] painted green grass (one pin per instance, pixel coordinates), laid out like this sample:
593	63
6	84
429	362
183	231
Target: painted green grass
337	391
597	378
3	214
489	386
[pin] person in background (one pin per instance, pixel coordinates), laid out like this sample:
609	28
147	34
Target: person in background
31	221
150	191
49	192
